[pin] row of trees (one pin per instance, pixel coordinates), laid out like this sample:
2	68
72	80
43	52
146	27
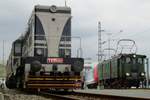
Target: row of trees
2	71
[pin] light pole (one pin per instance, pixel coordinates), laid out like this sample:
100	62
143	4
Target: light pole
80	46
147	63
79	50
109	39
3	52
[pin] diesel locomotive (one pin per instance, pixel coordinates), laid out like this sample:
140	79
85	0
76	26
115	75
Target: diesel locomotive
41	57
122	71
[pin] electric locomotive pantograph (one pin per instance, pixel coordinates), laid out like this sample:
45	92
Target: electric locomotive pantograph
41	58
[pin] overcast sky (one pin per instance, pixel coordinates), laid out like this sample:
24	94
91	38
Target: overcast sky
131	16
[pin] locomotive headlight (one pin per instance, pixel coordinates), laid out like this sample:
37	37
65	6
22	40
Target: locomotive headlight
127	74
142	74
134	56
39	51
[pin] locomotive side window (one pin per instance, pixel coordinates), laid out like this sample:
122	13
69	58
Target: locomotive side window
17	48
128	60
140	61
30	40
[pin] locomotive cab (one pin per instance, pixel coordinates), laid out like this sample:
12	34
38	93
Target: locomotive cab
133	64
132	69
122	71
17	48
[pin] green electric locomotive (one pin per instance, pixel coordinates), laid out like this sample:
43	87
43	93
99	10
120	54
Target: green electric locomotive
122	71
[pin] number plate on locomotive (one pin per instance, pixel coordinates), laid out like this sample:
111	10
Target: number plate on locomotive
55	60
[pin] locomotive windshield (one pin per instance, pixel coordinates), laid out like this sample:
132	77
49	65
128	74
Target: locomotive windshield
140	60
133	60
137	60
128	60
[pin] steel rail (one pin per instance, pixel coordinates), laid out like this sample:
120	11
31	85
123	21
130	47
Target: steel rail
57	97
108	97
88	96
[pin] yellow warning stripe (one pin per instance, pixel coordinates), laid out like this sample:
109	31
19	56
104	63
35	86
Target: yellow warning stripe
47	79
61	85
42	76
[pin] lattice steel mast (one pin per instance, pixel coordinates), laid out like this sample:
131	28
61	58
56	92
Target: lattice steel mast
100	53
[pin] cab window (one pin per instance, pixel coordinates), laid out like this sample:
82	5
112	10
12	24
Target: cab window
17	48
139	60
128	60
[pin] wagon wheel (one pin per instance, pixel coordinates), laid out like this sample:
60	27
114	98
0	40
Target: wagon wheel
119	85
125	85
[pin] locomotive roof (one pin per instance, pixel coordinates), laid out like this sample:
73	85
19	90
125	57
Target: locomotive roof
43	8
124	55
129	55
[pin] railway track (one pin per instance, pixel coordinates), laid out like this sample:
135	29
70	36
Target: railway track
58	97
87	96
75	95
